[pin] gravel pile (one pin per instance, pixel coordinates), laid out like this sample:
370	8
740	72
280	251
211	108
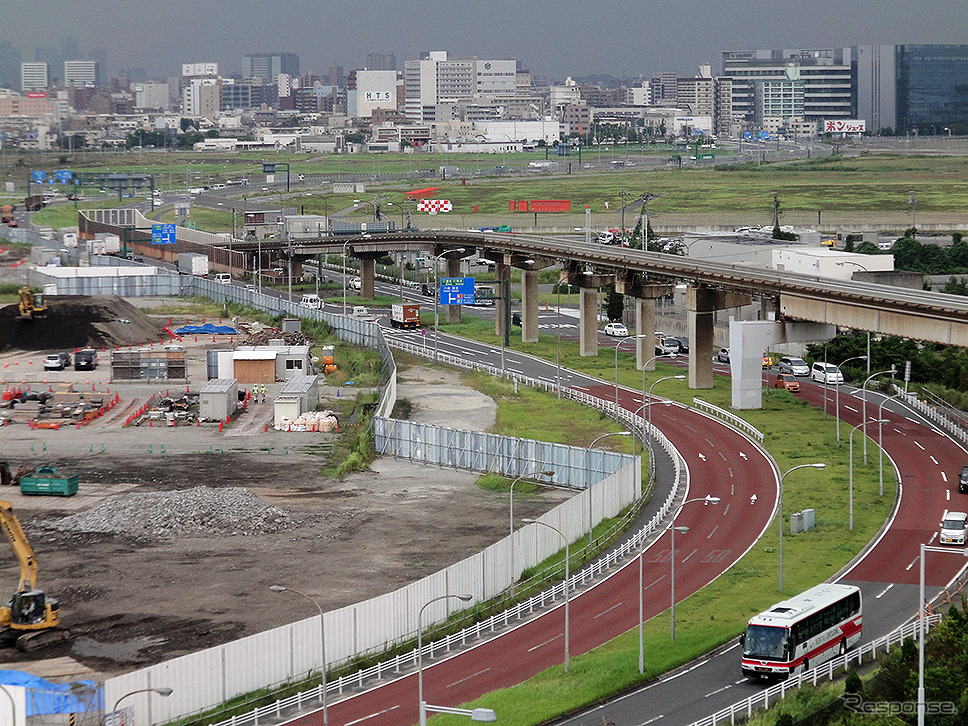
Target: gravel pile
197	512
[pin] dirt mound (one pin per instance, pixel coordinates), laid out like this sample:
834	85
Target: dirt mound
78	321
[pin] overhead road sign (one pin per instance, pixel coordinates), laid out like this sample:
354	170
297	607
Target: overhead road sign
456	291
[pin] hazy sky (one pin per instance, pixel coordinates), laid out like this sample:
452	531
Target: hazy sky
556	39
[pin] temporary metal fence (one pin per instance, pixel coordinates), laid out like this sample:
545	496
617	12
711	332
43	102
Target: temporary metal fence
743	710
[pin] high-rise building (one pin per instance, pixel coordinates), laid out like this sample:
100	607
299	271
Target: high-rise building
268	66
381	62
34	76
436	78
664	88
811	84
368	90
81	73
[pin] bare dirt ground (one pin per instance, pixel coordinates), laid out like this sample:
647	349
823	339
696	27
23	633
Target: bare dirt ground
132	601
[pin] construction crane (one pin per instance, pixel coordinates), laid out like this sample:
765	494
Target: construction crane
30	618
32	304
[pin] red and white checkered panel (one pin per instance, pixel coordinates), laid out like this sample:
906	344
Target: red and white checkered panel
433	206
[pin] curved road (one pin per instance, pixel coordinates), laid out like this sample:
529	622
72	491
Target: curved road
721	463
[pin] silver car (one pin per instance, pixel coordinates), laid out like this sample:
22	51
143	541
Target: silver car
796	366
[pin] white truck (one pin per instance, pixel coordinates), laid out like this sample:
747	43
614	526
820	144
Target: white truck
191	263
361	312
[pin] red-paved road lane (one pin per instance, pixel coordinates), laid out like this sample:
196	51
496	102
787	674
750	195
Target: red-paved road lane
721	463
929	464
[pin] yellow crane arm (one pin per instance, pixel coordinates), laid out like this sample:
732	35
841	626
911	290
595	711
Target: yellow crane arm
21	547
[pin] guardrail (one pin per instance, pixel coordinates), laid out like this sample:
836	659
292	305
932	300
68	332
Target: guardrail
730	418
743	710
931	412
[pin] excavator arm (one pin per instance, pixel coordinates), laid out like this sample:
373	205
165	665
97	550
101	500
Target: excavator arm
21	547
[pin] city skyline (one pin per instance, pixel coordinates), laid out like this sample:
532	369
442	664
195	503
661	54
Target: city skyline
553	40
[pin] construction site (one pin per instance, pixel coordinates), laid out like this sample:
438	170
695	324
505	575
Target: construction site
180	522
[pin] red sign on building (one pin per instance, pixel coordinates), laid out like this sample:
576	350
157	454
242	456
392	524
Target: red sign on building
541	205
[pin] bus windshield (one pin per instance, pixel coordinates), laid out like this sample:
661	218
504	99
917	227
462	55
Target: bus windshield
765	642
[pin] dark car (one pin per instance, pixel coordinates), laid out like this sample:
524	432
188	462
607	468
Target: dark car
963	481
683	344
427	290
516	318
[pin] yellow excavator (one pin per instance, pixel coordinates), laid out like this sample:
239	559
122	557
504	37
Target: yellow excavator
32	304
30	618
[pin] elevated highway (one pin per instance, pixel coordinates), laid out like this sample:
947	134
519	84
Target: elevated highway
795	306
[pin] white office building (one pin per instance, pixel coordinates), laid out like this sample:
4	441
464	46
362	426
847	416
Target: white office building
81	73
34	76
367	91
439	79
151	95
810	84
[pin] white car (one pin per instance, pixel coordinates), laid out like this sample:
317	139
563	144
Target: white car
616	330
953	528
795	366
826	373
356	284
723	355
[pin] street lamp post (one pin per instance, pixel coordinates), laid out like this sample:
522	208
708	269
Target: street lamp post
422	705
779	506
532	475
654	384
863	389
708	499
322	645
588	483
837	403
880	444
567	581
619	345
437	298
164	692
850	456
922	624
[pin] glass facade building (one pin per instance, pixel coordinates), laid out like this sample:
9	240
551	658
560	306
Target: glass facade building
932	88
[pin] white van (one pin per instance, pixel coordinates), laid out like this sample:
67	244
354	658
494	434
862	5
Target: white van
311	300
223	278
826	373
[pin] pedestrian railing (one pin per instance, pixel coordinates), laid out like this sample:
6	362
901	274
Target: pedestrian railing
730	418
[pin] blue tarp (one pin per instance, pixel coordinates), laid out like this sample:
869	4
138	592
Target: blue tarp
207	329
44	697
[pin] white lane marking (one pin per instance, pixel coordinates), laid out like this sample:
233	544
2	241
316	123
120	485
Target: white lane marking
727	508
933	535
913	562
948	492
718	690
474	675
722	455
934	460
689	555
606	612
944	477
883	592
899	431
730	470
850	408
655	582
918	444
713	532
652	720
540	645
372	715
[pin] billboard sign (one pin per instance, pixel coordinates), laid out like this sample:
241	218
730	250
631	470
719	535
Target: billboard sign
844	126
163	234
456	291
432	206
38	176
